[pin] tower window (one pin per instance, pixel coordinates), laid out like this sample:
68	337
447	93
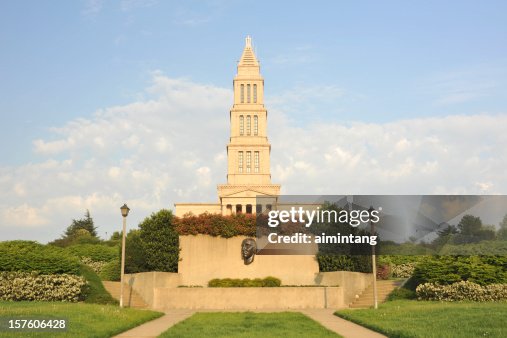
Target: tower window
240	162
242	93
256	162
255	93
256	125
248	93
248	125
248	161
241	125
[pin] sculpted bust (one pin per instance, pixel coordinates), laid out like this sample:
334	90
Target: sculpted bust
248	250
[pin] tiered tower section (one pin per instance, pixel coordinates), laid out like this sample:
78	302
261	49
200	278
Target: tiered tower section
248	151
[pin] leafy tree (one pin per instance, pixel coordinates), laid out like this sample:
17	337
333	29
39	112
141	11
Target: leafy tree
160	242
471	230
502	232
81	231
135	260
85	223
444	236
469	225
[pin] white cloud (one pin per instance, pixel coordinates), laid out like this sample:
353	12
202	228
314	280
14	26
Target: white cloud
169	147
128	5
92	7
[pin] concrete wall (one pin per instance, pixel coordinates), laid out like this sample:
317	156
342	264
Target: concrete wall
196	208
203	258
249	298
353	283
144	283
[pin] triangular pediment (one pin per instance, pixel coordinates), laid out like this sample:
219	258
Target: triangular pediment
246	191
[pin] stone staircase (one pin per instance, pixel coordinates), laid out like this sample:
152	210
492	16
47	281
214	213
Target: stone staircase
384	288
130	297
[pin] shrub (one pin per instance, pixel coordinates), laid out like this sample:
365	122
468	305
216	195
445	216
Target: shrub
383	271
401	293
328	262
402	270
216	225
462	290
31	256
17	286
444	270
96	252
111	271
160	242
135	260
95	266
245	282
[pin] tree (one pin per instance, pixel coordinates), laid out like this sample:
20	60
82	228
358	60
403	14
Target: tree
502	232
160	242
444	236
135	258
80	231
85	223
469	225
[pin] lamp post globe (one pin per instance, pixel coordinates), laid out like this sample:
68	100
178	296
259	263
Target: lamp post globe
124	212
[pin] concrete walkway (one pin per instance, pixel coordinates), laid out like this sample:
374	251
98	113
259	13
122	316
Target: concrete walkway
157	326
325	317
339	325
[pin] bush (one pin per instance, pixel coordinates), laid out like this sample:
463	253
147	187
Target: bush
445	270
216	225
402	270
383	271
460	291
96	252
401	293
160	242
135	260
329	262
17	286
244	283
31	256
111	271
95	266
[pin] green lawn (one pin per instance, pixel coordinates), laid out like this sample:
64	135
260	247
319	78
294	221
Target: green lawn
84	320
410	318
248	324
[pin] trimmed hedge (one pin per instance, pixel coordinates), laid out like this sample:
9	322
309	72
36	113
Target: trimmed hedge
17	286
329	262
216	225
460	291
31	256
445	270
244	283
96	252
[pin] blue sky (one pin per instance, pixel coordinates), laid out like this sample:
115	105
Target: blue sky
373	64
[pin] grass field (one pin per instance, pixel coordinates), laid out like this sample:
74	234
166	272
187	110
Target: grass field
84	320
410	318
248	324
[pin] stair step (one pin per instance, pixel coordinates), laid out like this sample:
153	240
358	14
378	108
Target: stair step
131	298
384	288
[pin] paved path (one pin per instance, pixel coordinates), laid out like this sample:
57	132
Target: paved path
323	316
339	325
155	327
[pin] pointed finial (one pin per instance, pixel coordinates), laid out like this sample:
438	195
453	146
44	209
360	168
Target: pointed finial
248	42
